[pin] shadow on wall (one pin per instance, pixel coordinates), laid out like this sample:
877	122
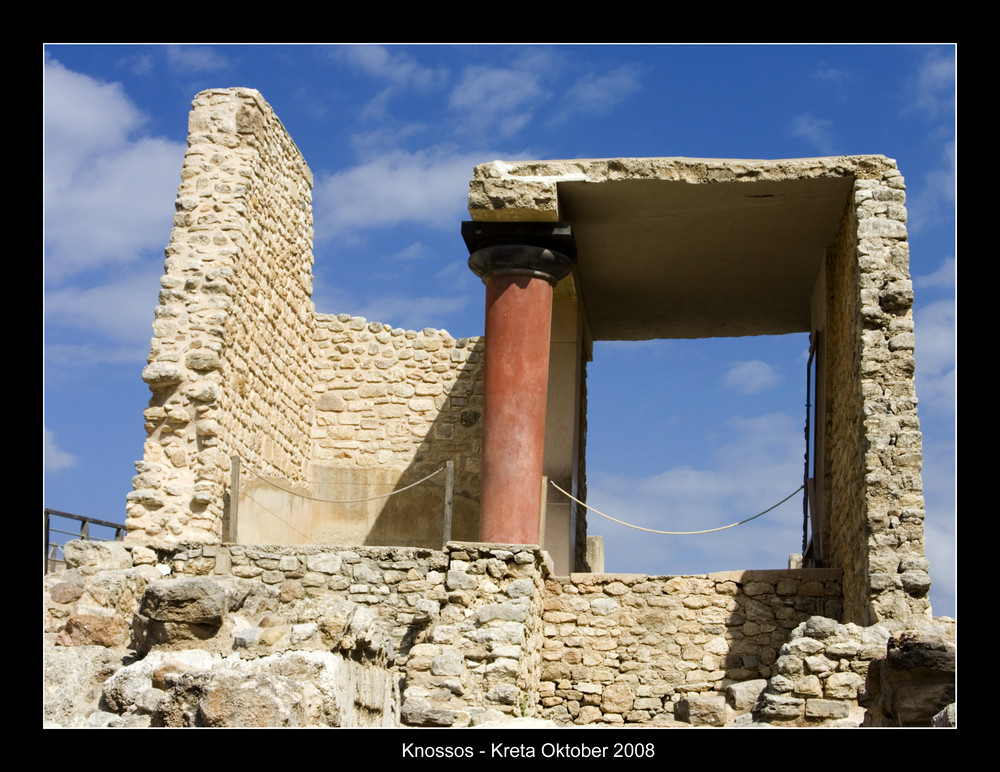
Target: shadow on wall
394	407
415	518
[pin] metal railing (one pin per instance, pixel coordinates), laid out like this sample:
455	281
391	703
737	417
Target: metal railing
53	558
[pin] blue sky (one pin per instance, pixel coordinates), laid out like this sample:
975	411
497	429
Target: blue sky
713	432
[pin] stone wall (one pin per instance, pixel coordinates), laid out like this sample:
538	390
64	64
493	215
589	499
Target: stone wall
317	408
629	648
872	476
871	486
371	636
228	365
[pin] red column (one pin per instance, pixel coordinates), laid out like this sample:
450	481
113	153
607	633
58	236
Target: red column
519	281
518	317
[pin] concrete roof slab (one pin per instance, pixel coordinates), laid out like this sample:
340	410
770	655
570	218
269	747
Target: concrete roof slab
684	247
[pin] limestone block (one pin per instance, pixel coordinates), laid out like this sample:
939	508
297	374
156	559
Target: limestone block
91	557
72	681
826	709
743	696
89	630
617	698
702	710
161	375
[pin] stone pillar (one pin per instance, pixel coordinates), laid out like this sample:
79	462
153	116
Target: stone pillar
519	266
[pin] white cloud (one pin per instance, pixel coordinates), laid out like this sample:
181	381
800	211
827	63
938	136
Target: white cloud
54	458
428	187
933	86
816	131
397	310
935	330
414	313
760	465
107	196
82	116
934	326
598	94
415	251
834	75
943	277
497	100
933	201
195	59
121	309
392	65
938	475
751	377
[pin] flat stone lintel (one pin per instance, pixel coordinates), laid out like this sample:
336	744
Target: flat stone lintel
520	191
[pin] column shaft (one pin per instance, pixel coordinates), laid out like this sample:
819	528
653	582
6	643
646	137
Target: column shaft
518	318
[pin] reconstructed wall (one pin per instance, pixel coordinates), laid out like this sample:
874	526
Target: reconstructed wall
316	407
322	410
872	494
473	633
628	648
872	478
228	366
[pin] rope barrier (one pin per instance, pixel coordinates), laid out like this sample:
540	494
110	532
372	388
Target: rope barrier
676	533
345	501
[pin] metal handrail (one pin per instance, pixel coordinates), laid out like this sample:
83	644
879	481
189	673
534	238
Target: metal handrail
51	557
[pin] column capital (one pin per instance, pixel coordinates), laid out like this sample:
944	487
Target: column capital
539	250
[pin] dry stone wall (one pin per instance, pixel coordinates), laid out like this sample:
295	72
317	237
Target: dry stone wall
392	407
387	395
471	634
329	407
630	648
228	365
873	473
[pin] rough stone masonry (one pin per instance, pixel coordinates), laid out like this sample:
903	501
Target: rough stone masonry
357	616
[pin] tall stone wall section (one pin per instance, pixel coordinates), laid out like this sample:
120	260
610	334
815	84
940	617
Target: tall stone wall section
228	366
241	365
872	478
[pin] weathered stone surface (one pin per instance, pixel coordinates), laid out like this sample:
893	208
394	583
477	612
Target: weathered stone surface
93	556
90	630
826	709
420	713
65	592
617	698
192	601
72	680
948	717
743	696
702	710
914	682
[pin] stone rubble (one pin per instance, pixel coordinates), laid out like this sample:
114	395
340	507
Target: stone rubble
469	636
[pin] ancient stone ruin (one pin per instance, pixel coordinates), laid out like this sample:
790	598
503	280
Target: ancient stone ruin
267	579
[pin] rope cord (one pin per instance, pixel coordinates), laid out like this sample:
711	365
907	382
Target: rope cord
345	501
677	533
